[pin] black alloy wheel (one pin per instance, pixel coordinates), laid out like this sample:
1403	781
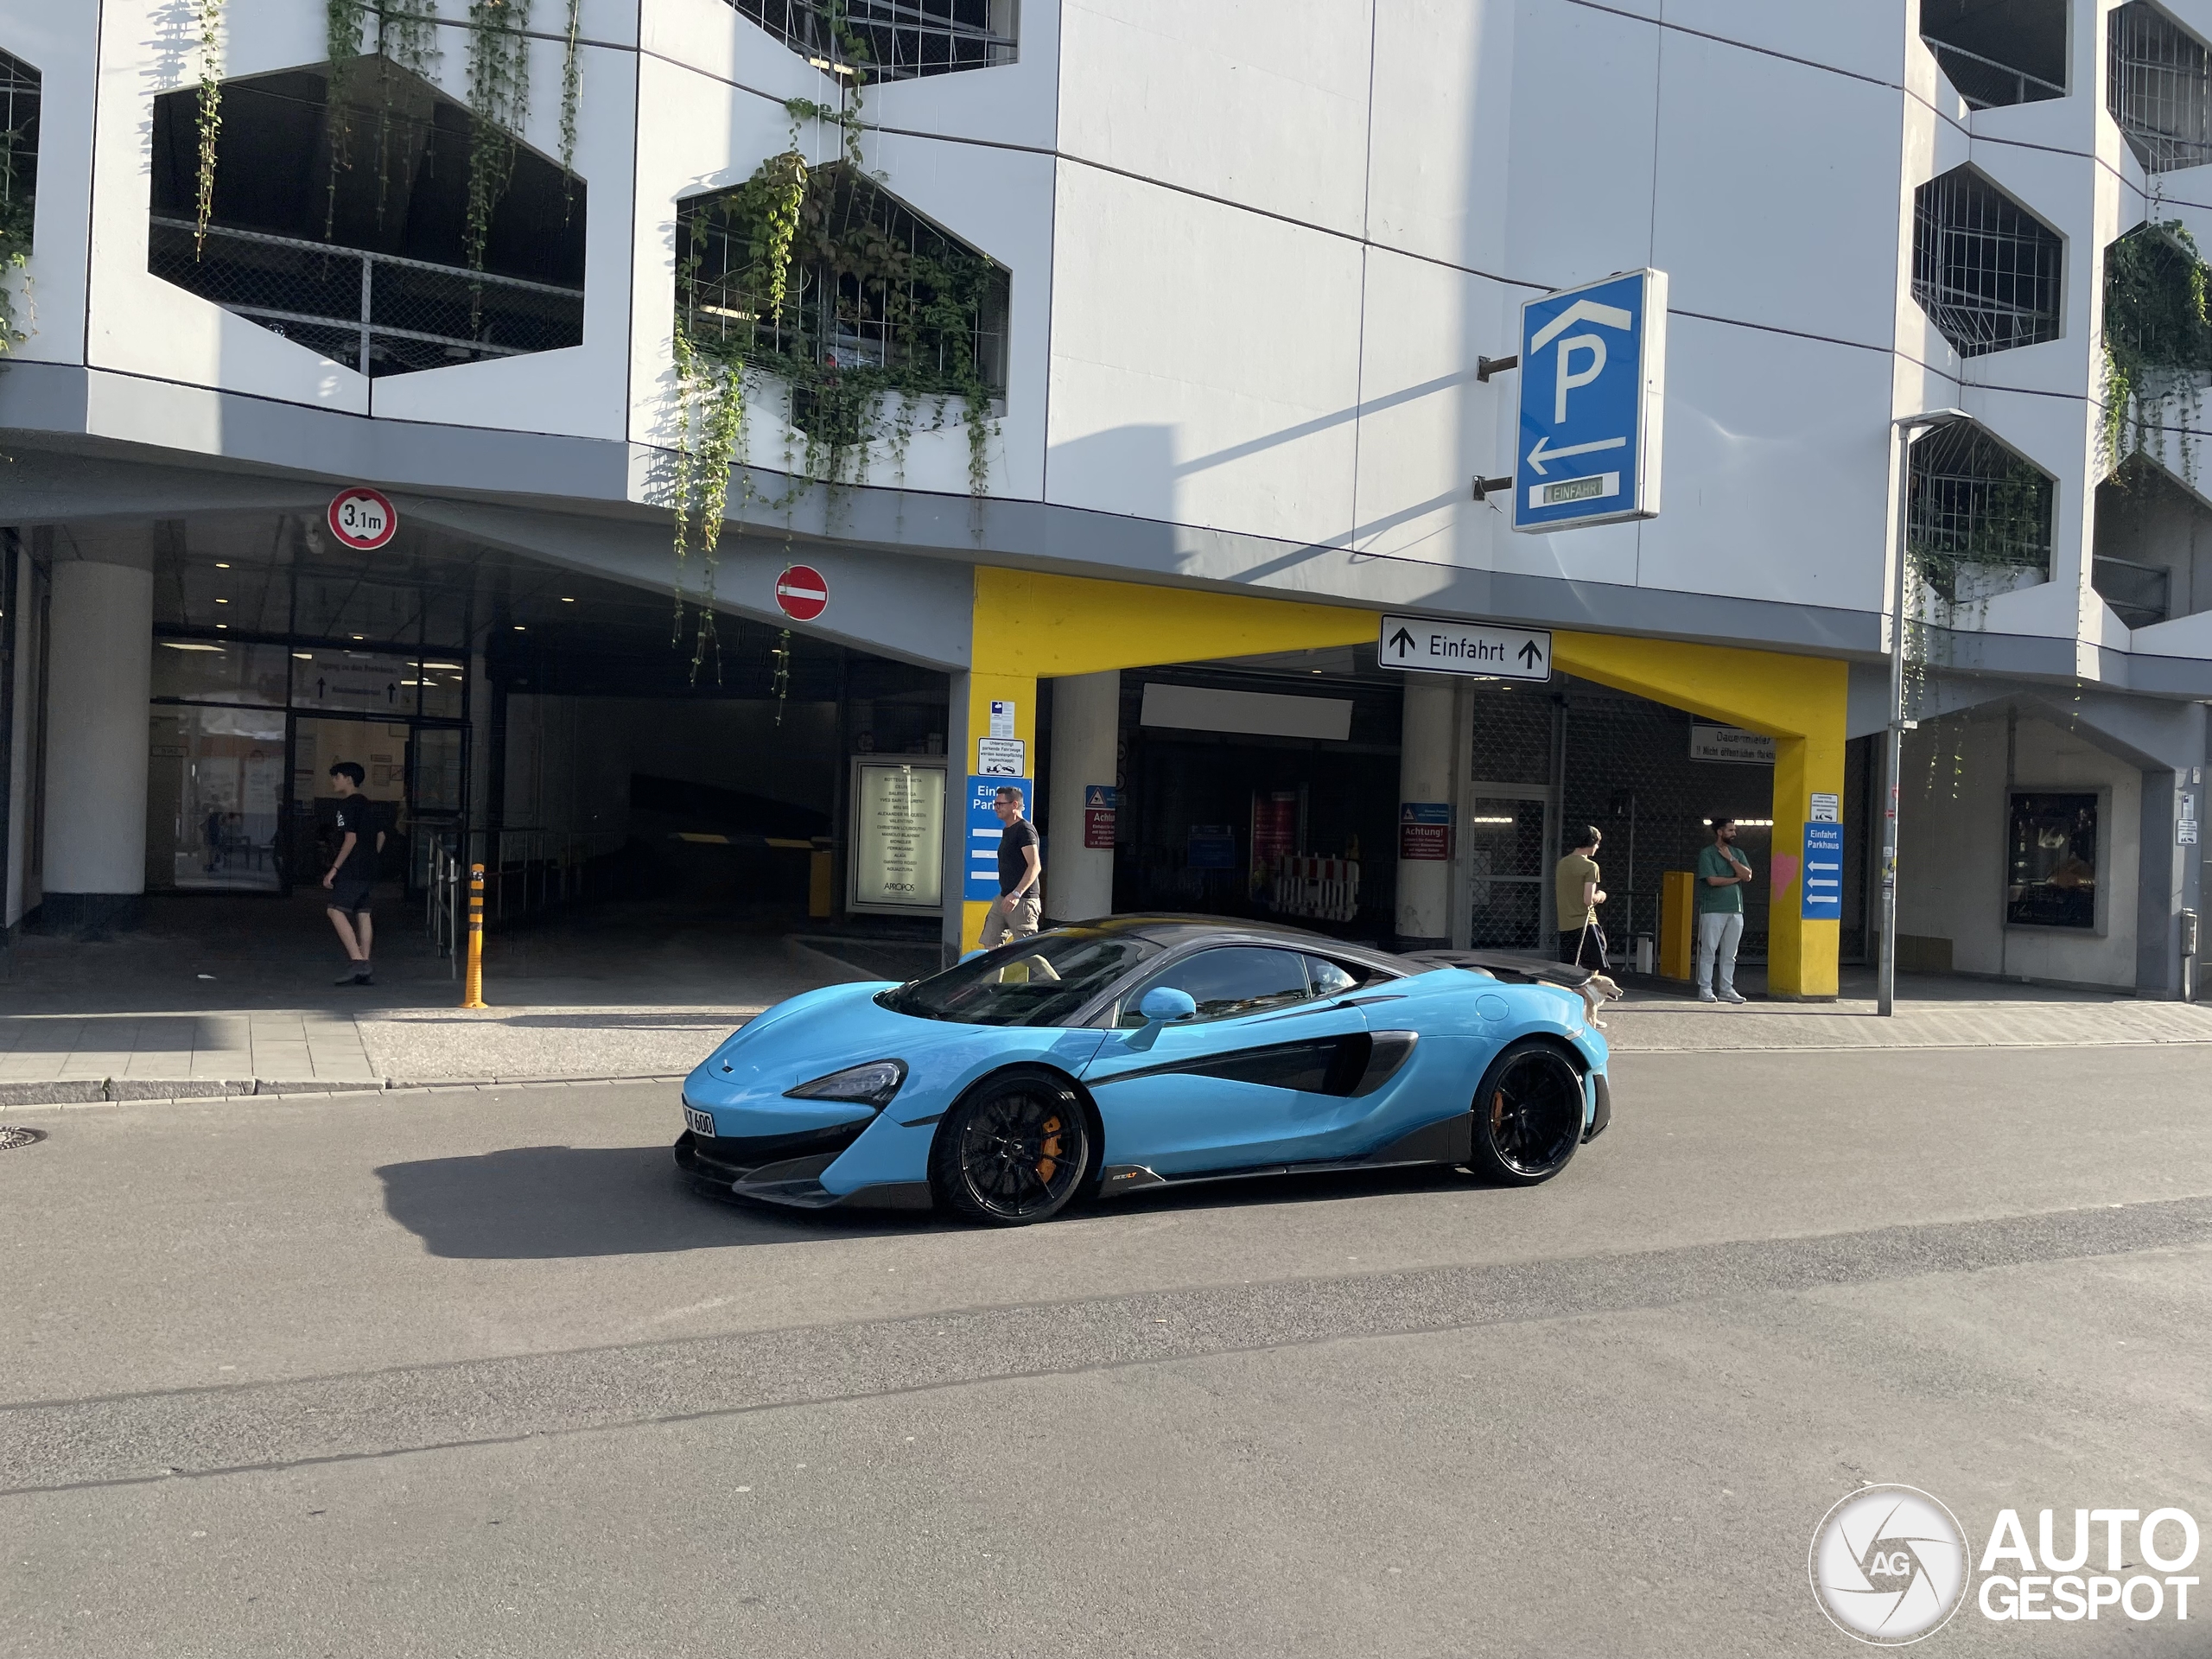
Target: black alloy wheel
1014	1150
1528	1114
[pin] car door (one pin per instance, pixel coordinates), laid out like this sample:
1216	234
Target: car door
1244	1083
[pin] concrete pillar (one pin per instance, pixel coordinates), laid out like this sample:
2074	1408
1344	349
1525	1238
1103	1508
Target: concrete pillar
99	670
1427	774
1086	726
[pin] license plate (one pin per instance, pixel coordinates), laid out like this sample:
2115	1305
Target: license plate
701	1123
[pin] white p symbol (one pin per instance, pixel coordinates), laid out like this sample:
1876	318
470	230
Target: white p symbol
1568	379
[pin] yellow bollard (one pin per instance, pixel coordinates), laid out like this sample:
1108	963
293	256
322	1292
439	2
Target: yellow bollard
472	986
1677	923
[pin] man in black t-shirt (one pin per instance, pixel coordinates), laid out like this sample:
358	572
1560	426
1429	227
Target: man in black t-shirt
1012	914
354	872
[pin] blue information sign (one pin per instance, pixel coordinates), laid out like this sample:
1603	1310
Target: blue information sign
1593	374
1823	889
983	830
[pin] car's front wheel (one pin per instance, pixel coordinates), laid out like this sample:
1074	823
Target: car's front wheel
1528	1114
1014	1150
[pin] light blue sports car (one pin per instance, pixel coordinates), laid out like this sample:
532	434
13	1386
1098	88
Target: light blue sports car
1108	1056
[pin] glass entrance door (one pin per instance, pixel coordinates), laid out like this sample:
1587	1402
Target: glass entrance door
216	783
1508	838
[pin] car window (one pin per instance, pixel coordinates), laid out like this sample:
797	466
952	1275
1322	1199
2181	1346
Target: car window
1233	980
1334	978
1038	980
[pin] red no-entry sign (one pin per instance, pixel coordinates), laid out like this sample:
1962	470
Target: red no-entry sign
802	593
362	519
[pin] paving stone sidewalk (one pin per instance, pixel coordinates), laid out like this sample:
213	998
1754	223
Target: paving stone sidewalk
148	1020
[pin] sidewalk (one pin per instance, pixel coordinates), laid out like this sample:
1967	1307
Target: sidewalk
227	997
1933	1010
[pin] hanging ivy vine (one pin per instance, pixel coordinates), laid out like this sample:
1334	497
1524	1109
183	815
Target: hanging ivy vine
17	206
499	104
2158	341
572	87
815	278
211	115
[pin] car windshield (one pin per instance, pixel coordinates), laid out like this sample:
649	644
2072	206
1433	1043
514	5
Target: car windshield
1038	981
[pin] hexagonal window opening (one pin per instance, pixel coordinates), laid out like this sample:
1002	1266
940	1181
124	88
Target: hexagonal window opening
1999	51
893	40
1985	269
877	300
2158	87
1978	515
347	230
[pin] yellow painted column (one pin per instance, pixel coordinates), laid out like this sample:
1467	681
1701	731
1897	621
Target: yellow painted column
1801	955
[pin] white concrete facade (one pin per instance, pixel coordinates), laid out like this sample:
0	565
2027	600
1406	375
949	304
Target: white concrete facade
1256	249
1255	252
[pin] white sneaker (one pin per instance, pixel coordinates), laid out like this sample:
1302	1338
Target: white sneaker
1734	996
1707	996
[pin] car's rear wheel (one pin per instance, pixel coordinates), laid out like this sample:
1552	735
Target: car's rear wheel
1014	1150
1528	1114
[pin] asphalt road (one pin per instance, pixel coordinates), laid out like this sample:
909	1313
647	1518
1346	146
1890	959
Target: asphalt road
468	1373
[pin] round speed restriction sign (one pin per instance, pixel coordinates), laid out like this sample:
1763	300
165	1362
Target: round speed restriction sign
361	519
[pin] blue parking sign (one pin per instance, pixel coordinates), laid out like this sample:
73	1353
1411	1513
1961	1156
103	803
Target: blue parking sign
980	858
1823	900
1593	383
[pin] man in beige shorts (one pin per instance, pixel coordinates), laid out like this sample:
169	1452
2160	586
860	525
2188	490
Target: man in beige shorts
1012	914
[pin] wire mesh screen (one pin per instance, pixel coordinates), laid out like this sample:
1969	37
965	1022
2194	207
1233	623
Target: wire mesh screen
374	312
1972	501
873	286
2158	87
19	101
1987	84
339	221
893	40
1984	268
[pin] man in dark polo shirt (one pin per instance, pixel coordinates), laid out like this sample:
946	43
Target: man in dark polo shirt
1012	914
354	872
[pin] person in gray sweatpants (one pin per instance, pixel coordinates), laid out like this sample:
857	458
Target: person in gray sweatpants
1722	875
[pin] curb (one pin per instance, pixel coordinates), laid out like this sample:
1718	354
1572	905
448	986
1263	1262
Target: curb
67	1096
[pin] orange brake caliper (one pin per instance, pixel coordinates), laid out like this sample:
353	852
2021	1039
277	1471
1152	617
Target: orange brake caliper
1050	1148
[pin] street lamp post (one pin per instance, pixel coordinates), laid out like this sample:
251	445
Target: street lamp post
1885	984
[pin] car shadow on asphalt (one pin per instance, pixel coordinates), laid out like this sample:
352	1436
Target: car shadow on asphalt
533	1203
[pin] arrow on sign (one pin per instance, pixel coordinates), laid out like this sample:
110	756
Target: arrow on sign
1402	642
1530	656
1540	455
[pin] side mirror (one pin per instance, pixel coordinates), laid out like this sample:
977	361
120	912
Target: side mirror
1163	1004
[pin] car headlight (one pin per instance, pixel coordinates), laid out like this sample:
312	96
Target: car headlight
872	1085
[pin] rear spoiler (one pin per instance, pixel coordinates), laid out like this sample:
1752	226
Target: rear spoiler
1518	968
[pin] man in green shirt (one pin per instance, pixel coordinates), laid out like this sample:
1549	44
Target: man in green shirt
1722	875
1574	885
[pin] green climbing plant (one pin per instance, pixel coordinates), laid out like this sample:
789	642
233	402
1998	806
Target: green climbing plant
18	212
210	15
814	277
499	103
572	87
2158	339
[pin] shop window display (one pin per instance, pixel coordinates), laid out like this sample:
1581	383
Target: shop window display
2051	860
